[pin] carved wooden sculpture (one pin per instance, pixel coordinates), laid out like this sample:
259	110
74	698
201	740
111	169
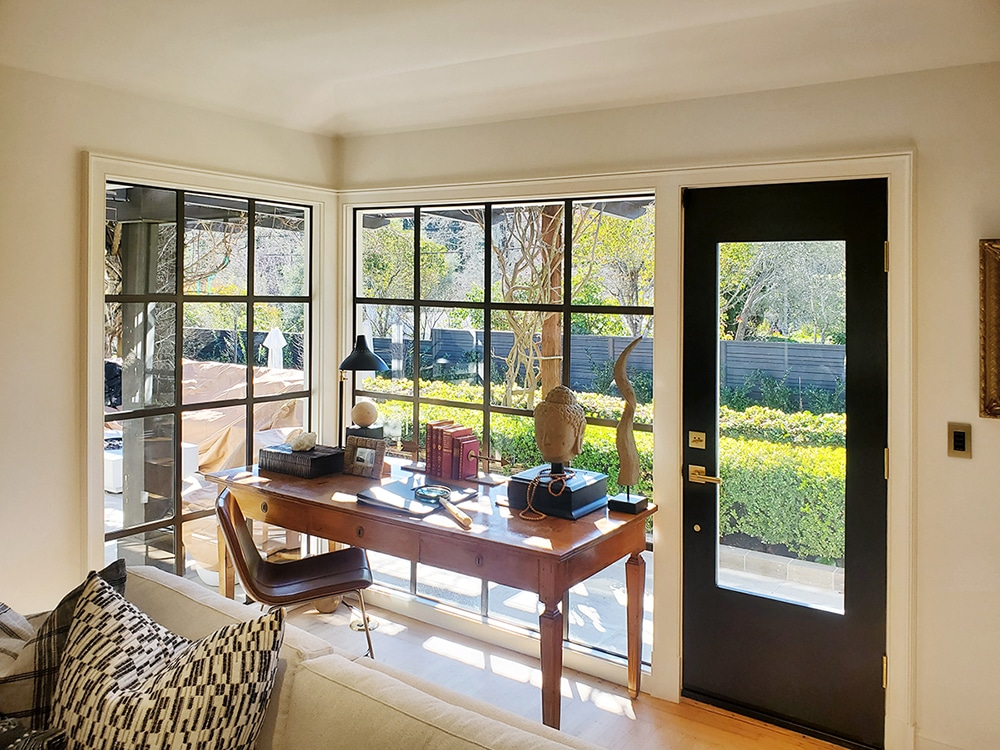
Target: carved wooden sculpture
628	455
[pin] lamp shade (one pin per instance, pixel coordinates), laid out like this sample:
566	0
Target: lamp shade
363	358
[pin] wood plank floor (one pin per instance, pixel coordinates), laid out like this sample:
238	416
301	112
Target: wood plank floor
592	709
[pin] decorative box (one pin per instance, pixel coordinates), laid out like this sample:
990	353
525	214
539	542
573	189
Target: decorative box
585	492
315	462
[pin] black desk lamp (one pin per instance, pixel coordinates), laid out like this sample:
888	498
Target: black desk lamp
360	359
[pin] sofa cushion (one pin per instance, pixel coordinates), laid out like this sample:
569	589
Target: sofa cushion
192	610
126	681
378	712
27	687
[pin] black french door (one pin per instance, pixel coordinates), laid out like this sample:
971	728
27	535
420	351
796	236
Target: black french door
785	433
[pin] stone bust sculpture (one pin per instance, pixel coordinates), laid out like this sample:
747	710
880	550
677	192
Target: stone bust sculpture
559	426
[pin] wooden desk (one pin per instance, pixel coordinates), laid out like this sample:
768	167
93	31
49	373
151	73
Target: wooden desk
546	557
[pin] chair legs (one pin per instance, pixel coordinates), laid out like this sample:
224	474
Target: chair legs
365	624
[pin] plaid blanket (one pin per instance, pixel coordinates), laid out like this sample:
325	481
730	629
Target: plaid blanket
27	688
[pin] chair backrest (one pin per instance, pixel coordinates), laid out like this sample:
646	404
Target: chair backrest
234	527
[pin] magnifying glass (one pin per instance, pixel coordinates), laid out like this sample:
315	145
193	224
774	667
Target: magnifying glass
441	495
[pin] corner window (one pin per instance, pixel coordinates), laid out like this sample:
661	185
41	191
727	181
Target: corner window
207	305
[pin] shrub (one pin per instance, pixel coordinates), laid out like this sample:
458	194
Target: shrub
784	494
799	428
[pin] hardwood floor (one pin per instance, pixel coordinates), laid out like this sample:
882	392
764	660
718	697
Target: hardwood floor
592	709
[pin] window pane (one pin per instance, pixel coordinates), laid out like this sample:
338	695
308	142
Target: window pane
390	571
215	351
592	365
512	444
280	251
528	253
139	476
452	245
215	245
140	240
390	328
451	365
273	422
139	355
452	588
220	435
279	347
154	548
386	242
525	356
513	605
597	611
613	252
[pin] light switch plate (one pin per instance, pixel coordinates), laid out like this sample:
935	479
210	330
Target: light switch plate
959	440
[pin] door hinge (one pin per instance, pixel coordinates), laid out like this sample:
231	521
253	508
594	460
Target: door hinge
885	460
886	257
885	671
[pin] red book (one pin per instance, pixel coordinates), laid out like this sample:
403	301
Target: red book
433	446
467	457
448	437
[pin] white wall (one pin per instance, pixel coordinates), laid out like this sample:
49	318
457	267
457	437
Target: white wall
951	119
45	126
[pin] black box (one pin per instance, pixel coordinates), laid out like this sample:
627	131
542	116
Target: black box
315	462
623	503
585	492
377	433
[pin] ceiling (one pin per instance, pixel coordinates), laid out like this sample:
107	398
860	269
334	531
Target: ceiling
347	67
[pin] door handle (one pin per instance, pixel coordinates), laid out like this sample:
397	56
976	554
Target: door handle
697	475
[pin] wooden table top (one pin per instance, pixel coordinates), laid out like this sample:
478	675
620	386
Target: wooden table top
492	522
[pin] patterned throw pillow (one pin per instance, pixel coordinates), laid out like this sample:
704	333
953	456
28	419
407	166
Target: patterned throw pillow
127	682
15	632
26	688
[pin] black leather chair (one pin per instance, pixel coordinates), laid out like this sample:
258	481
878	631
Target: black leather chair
295	581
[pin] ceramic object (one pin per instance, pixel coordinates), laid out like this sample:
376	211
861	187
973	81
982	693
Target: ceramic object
364	414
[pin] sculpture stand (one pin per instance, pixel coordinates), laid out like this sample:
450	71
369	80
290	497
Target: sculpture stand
626	502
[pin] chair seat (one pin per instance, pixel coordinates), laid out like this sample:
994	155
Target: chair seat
314	577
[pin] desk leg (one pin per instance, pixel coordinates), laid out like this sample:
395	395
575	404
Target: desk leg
635	583
550	624
227	574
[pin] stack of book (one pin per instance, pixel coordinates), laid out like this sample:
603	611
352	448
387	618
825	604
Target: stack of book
452	450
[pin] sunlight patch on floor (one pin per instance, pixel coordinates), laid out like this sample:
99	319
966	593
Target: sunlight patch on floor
473	657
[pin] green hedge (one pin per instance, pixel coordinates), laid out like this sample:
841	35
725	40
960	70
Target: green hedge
798	428
784	494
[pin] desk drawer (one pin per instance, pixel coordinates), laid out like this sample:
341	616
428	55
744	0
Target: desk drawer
372	535
506	567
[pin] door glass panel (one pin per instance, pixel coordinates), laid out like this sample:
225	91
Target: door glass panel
782	422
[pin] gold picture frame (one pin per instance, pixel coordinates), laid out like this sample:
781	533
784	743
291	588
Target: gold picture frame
989	328
364	456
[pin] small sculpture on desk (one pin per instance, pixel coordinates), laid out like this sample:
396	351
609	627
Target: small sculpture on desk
363	415
302	441
559	425
628	455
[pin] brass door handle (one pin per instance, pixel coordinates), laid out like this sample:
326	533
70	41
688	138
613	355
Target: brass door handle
697	475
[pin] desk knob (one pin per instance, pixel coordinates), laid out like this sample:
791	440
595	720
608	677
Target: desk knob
263	507
360	531
479	561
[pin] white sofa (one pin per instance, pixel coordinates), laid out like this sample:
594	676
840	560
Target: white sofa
323	699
